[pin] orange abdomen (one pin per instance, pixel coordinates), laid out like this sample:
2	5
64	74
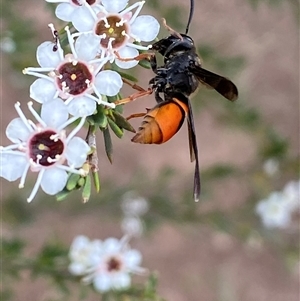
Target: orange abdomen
161	123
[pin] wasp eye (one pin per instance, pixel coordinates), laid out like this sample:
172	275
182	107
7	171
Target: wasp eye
190	40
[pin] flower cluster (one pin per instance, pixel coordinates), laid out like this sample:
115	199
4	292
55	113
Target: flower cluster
133	207
107	264
276	210
77	81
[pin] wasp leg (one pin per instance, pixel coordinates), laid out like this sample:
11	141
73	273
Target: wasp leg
136	115
142	56
133	85
133	97
153	63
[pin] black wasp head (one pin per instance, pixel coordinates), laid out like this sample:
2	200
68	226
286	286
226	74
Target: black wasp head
174	43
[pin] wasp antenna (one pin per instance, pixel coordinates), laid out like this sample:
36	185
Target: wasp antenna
190	16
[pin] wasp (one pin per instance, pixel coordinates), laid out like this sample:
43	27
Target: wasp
174	82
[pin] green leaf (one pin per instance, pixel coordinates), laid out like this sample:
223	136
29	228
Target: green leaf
122	122
87	188
99	118
128	76
96	180
81	182
62	195
108	144
72	181
115	128
145	64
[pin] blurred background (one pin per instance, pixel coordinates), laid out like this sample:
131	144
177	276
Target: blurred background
221	248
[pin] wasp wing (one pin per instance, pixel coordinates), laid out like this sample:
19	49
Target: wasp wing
194	151
221	84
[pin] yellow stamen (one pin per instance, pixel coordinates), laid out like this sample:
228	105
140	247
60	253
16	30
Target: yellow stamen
43	147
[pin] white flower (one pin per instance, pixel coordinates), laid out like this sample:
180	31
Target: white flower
67	10
114	29
83	254
271	167
132	226
133	204
73	77
274	211
108	264
291	193
8	45
43	148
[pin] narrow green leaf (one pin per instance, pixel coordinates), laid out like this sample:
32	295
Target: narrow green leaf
81	182
128	76
144	63
108	144
122	122
100	118
72	181
62	195
96	181
115	128
87	188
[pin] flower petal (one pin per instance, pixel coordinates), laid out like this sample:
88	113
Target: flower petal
64	11
54	112
102	282
121	280
12	166
132	258
87	46
82	106
54	180
82	19
46	57
42	90
127	52
114	6
108	82
77	151
16	131
145	27
111	245
77	268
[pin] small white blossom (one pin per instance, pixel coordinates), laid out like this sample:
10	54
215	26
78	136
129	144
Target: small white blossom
271	167
114	29
274	212
8	45
43	147
132	226
73	77
83	254
133	204
291	193
67	10
108	264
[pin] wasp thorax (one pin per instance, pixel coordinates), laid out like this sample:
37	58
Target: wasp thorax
73	77
45	148
114	30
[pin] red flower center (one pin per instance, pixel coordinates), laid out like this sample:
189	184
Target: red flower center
45	149
90	2
115	31
113	264
74	78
